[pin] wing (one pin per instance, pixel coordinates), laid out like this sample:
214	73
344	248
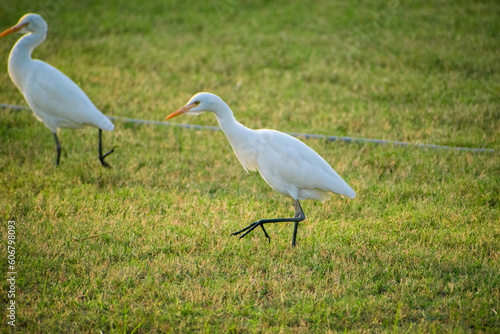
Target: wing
294	169
59	102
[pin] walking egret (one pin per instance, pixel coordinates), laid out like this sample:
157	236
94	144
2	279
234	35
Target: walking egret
288	165
54	98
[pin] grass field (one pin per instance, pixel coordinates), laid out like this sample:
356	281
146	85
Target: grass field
144	247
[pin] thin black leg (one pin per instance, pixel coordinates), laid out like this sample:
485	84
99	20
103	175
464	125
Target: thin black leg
58	148
295	228
299	216
101	157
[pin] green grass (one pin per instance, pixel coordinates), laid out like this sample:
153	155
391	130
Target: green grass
144	247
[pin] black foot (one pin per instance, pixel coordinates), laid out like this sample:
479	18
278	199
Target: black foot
101	158
299	216
251	227
265	233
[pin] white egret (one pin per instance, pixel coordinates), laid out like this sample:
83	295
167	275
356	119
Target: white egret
54	98
288	165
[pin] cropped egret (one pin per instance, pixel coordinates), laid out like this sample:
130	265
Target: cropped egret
288	165
54	98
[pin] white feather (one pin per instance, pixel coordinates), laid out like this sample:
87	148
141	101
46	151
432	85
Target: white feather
288	165
54	98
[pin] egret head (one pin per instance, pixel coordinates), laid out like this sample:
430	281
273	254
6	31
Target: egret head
27	24
200	103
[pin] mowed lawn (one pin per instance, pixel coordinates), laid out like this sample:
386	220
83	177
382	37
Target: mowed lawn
145	247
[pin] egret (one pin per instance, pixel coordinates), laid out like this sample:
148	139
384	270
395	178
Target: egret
288	165
54	98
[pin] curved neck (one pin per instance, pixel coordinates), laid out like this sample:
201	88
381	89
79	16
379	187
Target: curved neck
20	56
234	131
243	140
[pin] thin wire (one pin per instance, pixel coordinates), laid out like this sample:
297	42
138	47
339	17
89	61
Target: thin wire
295	134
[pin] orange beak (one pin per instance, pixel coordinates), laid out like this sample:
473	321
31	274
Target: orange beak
15	28
181	111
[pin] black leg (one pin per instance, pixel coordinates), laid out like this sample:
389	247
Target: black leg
101	157
299	216
58	148
295	228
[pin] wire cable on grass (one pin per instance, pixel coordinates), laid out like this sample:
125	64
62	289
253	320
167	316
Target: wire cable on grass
295	134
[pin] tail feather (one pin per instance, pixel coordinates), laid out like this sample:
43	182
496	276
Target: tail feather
342	188
105	124
350	193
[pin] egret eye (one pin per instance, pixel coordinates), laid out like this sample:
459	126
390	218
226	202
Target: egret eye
196	102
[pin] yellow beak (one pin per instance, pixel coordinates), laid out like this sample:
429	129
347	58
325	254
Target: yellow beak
181	111
13	29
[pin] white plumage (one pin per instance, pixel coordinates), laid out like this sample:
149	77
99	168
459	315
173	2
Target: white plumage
54	98
288	165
